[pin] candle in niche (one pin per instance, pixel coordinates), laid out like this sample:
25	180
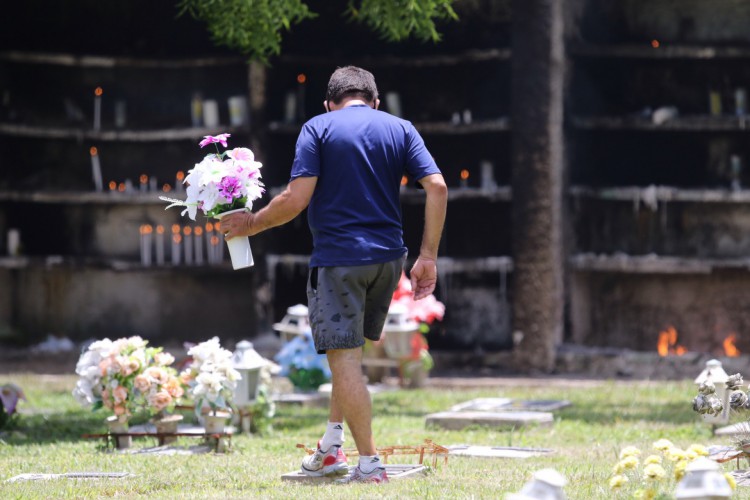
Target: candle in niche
464	178
488	175
219	248
160	245
96	169
404	182
210	113
196	110
121	187
166	188
98	108
209	248
129	186
176	239
152	184
187	231
301	80
143	180
146	231
178	185
215	250
198	236
112	186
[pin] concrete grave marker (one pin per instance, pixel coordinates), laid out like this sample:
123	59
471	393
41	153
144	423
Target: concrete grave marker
496	451
457	420
70	475
506	404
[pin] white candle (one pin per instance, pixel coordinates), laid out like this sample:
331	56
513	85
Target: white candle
179	187
464	178
152	184
14	242
210	113
176	239
146	231
198	245
143	179
98	108
187	231
96	169
160	245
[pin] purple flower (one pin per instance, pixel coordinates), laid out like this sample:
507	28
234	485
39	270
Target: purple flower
229	188
210	139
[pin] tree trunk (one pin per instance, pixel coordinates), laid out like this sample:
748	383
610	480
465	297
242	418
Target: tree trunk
537	163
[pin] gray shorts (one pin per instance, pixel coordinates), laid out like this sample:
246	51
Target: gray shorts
348	304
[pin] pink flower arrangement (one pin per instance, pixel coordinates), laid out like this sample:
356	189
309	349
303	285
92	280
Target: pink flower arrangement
125	375
221	182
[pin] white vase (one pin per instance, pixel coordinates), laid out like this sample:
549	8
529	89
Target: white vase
167	425
239	246
215	422
119	425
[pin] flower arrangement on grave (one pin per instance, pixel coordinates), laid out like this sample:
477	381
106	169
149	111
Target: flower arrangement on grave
425	312
654	476
107	372
210	377
221	182
159	386
301	363
10	395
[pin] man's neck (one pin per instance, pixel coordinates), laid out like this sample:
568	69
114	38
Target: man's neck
353	102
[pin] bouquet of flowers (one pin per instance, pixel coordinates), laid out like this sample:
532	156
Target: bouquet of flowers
158	386
10	394
211	376
108	371
221	182
301	363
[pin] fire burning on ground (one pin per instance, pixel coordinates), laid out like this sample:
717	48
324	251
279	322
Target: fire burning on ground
667	344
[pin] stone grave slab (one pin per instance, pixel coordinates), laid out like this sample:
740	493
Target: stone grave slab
307	399
457	420
70	475
506	404
394	471
496	451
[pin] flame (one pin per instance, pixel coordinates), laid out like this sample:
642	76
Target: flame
214	240
112	186
121	187
667	343
93	151
160	229
147	229
404	180
180	176
198	231
301	78
166	188
177	238
464	174
655	44
98	91
187	230
729	348
209	227
143	178
175	229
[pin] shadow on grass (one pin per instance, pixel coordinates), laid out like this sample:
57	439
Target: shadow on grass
42	428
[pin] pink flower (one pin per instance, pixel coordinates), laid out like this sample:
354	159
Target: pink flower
210	139
120	410
229	188
160	400
120	394
241	154
142	383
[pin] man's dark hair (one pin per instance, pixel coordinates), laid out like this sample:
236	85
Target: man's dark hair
351	81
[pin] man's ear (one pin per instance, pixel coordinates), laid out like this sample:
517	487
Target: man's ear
325	105
377	103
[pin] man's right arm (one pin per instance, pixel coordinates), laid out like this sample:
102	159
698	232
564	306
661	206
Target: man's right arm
283	207
424	272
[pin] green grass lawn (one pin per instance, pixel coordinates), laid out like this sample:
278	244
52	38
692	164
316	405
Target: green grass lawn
586	438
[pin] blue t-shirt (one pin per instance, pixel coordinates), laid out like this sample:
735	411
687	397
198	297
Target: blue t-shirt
359	156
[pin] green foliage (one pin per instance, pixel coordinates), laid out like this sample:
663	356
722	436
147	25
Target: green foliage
4	417
254	27
251	26
397	20
307	380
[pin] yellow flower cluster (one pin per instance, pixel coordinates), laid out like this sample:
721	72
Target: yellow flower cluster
655	474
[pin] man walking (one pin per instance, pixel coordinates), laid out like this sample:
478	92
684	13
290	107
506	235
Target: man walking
347	171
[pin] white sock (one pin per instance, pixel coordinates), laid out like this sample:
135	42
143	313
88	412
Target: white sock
334	435
369	464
